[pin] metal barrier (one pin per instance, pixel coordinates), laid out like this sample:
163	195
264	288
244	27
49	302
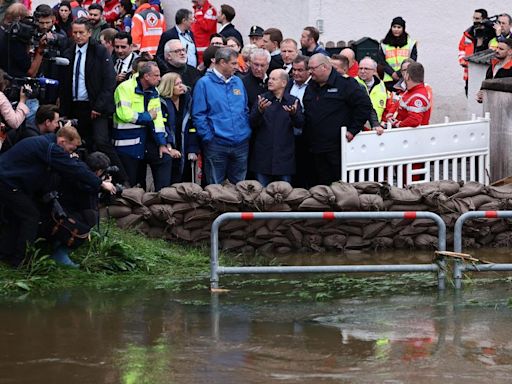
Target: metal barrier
460	266
449	151
217	270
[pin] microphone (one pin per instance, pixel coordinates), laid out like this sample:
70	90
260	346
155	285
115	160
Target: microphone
59	61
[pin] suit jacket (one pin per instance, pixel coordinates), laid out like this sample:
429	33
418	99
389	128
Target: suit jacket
230	30
254	87
100	79
276	62
170	34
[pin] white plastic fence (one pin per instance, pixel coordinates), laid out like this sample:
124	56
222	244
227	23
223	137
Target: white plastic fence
449	151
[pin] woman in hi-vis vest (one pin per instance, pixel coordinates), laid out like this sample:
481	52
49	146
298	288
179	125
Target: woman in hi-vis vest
395	48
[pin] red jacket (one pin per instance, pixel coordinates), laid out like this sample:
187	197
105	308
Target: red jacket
466	48
204	26
111	11
414	108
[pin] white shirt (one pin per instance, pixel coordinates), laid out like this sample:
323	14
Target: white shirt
221	76
298	90
190	47
126	63
82	90
222	27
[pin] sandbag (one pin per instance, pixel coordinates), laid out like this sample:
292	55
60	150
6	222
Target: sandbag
478	200
425	241
118	211
314	242
500	226
150	198
297	196
412	231
502	192
249	190
369	202
404	196
155	232
312	204
133	195
357	242
373	229
170	195
223	194
283	250
199	214
256	242
408	207
503	239
189	191
403	242
388	231
335	241
294	235
281	241
347	197
198	224
129	221
233	225
183	207
279	190
263	233
323	194
471	188
447	187
263	201
367	187
142	210
382	243
231	244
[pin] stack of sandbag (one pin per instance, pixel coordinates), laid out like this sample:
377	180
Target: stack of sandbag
185	212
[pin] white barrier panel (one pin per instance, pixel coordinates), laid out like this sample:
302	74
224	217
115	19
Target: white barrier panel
450	151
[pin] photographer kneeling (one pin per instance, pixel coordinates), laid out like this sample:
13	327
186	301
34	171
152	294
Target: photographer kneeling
73	212
25	171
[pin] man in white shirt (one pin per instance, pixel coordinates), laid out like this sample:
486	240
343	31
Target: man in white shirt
124	56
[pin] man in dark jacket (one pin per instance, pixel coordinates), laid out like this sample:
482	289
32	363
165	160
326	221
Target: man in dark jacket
176	61
331	101
182	32
225	17
255	81
25	172
273	119
87	91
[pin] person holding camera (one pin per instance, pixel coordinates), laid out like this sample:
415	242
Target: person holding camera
25	172
12	117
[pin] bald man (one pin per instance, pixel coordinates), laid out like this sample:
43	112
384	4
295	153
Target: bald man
273	118
353	66
330	102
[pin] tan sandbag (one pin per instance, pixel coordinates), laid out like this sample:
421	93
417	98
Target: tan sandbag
197	224
249	190
279	208
471	188
279	190
142	210
150	198
129	221
373	229
133	195
262	202
297	196
161	212
405	196
335	241
223	194
503	192
346	196
199	214
478	200
312	204
189	191
170	195
357	242
369	202
118	211
409	207
447	187
367	187
425	241
323	194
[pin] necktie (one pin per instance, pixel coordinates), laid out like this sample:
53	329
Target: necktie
77	72
119	66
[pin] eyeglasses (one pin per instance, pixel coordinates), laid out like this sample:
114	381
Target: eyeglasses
181	50
366	69
315	68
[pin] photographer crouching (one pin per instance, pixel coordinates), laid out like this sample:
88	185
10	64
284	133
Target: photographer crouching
25	171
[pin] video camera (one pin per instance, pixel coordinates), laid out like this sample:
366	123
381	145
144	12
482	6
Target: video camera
38	85
25	31
109	172
490	21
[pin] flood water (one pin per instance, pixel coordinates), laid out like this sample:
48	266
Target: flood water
260	332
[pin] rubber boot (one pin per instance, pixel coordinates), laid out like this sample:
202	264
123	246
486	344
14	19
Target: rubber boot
61	256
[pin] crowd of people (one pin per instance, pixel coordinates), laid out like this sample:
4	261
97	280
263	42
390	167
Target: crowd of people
192	97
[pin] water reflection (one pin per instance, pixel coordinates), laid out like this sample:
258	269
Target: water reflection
159	337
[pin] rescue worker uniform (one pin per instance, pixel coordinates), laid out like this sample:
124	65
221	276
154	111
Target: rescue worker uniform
204	26
414	107
147	27
394	56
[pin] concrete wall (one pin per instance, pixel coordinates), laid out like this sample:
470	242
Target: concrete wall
437	26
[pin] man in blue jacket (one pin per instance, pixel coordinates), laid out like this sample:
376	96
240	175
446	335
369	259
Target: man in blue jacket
25	175
221	117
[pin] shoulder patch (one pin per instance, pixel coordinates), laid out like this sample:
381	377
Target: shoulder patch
418	103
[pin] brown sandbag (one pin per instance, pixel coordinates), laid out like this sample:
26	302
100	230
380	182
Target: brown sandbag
367	187
469	243
143	227
502	192
233	225
263	201
256	242
469	189
335	241
294	235
351	230
120	201
118	211
198	224
347	197
479	200
357	242
231	244
133	195
476	232
272	224
200	234
450	219
409	207
254	225
503	239
485	241
281	241
373	229
323	194
161	212
312	204
425	241
447	187
263	233
382	242
388	231
150	198
181	233
412	231
496	205
423	223
403	242
199	214
369	202
170	195
155	232
240	235
405	196
500	226
183	207
314	242
223	194
283	250
189	191
129	221
249	190
279	190
279	208
297	196
142	210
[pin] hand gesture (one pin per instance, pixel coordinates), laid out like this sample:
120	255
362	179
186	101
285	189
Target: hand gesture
109	187
263	103
175	154
497	28
26	89
379	130
349	136
152	113
291	109
121	77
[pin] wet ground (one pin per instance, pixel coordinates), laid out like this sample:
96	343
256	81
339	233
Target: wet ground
266	331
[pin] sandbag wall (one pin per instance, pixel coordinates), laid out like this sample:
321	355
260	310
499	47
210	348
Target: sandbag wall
185	212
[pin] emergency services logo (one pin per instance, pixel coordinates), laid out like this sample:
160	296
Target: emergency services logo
152	19
418	103
82	13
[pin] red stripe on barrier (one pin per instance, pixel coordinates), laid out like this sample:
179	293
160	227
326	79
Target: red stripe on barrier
247	216
491	214
409	215
328	215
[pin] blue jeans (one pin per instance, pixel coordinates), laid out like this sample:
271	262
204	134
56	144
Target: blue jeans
30	119
267	179
224	161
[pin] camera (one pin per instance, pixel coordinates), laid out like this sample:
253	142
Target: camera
490	21
109	172
25	31
72	122
53	199
39	86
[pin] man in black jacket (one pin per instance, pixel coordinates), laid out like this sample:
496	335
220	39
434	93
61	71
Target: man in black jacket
225	17
176	61
182	32
331	101
255	81
25	172
87	91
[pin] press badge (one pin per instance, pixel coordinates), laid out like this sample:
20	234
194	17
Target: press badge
332	90
237	92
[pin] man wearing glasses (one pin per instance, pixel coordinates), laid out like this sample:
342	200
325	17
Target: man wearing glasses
176	61
331	101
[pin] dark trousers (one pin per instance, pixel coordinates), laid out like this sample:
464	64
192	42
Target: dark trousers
136	170
96	134
22	216
327	167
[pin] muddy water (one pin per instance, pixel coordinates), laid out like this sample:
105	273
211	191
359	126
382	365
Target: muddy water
259	333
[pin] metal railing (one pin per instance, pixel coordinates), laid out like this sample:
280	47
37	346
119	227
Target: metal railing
217	270
460	267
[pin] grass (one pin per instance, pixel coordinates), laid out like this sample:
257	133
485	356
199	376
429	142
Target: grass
113	257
